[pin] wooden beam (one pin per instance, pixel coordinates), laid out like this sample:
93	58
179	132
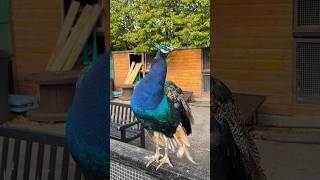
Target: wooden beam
129	72
72	40
64	33
84	36
134	73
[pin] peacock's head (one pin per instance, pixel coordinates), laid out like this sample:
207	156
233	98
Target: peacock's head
164	48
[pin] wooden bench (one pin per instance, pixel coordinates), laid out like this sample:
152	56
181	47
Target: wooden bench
248	105
124	126
26	154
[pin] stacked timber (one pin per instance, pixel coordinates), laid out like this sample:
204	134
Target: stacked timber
127	87
132	73
72	39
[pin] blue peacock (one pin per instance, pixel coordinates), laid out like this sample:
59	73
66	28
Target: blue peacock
87	125
166	115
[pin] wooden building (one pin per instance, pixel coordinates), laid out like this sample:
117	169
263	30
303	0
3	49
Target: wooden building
35	28
189	68
271	48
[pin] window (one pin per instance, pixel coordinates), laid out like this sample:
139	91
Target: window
205	70
306	18
307	50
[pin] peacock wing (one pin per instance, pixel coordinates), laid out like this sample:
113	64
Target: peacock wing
175	95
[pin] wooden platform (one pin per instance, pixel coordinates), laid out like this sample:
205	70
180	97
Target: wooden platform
248	105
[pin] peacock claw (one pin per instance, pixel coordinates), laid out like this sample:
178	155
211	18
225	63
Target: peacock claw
153	158
164	160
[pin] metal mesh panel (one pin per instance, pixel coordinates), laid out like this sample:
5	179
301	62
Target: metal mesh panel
308	12
205	59
122	172
206	83
308	71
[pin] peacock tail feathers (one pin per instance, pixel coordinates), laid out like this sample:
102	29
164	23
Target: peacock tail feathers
227	114
178	144
175	95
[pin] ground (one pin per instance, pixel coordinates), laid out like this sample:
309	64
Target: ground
286	153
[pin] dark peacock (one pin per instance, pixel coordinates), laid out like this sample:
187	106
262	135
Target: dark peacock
166	116
87	132
235	155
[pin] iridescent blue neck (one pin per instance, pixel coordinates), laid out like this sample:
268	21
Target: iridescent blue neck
149	92
158	71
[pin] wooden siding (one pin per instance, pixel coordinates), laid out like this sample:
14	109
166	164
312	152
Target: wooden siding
254	52
35	27
121	67
184	69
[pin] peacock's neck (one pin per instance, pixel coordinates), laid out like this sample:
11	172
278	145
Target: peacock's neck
149	92
87	116
158	71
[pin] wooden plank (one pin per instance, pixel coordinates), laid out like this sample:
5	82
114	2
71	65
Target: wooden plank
72	40
52	162
66	28
135	73
77	175
4	158
254	21
16	152
253	54
26	169
258	43
84	36
283	32
250	2
254	10
130	77
129	72
65	164
40	157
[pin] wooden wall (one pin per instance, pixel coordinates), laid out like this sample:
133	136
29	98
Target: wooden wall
184	69
254	52
120	66
35	28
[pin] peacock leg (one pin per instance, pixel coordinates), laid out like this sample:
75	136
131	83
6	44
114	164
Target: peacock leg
157	155
165	159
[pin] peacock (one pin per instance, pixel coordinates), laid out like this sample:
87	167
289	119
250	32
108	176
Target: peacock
234	153
87	126
165	114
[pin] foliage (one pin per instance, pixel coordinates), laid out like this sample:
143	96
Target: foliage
139	24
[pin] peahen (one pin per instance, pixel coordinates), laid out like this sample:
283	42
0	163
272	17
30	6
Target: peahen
87	129
234	153
160	105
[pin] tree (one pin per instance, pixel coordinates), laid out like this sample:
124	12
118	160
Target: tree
139	24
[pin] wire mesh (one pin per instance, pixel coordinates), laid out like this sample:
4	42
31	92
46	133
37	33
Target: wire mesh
307	70
308	12
120	171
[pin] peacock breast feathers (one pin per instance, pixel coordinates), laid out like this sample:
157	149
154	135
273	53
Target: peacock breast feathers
169	113
87	126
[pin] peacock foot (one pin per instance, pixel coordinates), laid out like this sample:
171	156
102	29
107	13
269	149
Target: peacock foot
164	160
153	158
